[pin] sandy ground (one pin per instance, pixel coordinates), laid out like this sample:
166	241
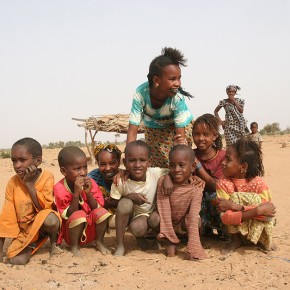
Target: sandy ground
247	268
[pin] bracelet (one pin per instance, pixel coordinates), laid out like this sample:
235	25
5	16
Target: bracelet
198	166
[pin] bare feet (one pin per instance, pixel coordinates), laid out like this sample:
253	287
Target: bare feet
235	243
102	248
142	244
76	251
170	250
55	250
120	251
189	257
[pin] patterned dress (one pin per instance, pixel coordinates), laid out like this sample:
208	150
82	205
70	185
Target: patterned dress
235	123
209	215
250	194
160	123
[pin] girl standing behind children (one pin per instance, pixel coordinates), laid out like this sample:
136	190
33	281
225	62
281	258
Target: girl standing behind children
234	126
209	153
160	104
244	199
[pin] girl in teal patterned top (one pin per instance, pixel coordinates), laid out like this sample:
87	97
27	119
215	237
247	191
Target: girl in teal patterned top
160	104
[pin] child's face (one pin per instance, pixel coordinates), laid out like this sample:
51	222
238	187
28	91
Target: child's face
76	167
136	162
203	137
231	165
108	164
180	167
22	159
169	81
254	128
231	92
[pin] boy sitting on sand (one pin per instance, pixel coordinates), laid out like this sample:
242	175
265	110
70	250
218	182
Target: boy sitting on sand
79	201
27	216
136	195
179	211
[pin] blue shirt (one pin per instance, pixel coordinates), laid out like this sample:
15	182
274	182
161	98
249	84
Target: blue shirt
173	111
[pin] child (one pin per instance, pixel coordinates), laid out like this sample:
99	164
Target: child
136	195
108	158
209	153
234	126
27	216
179	211
160	104
79	201
255	135
244	198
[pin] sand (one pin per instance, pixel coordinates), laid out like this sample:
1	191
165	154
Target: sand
247	268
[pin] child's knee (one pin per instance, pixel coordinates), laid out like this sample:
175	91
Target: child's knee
125	206
51	222
154	220
139	227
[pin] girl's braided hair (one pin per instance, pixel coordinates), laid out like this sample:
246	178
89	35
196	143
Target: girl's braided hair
168	56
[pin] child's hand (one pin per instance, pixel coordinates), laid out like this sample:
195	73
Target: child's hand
138	198
79	184
123	175
198	182
178	139
31	174
167	185
87	187
266	209
223	205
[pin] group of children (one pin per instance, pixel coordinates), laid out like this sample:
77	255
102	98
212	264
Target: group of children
168	191
205	191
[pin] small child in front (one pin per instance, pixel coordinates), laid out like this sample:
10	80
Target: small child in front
244	199
27	216
136	195
79	200
179	211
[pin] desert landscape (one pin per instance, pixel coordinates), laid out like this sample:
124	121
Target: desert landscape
247	268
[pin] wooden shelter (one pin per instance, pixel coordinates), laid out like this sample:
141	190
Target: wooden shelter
117	123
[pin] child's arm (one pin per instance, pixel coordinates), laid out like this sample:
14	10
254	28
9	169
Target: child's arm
138	198
234	214
236	103
216	113
31	175
167	186
87	187
210	182
74	205
2	240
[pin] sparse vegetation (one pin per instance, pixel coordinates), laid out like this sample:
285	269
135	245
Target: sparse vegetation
5	153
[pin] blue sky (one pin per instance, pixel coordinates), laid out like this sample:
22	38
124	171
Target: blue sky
65	59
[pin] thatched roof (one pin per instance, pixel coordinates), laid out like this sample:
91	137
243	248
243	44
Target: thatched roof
108	123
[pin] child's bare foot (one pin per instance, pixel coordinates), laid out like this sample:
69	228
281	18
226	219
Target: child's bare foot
55	250
102	248
189	257
120	251
170	250
266	249
142	244
235	243
76	251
